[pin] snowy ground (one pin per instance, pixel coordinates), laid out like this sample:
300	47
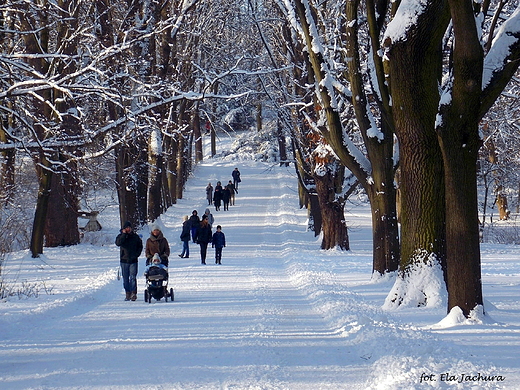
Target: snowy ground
279	313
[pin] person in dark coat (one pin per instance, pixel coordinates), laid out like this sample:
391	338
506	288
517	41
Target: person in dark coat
157	243
204	236
218	242
232	191
209	193
131	246
185	237
194	224
226	196
236	177
217	196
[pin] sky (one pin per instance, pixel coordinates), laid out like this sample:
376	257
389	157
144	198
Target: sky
279	313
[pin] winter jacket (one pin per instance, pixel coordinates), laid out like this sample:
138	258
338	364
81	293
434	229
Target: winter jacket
217	195
185	235
130	245
218	240
209	193
194	221
236	176
210	217
157	244
226	195
204	235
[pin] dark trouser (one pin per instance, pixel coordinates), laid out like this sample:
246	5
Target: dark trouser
203	251
218	255
129	272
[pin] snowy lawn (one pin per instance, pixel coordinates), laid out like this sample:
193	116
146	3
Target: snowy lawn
279	313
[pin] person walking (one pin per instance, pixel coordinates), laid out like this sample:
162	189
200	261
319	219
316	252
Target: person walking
157	243
185	237
203	239
218	242
210	217
217	196
130	246
209	193
226	195
236	177
194	223
232	191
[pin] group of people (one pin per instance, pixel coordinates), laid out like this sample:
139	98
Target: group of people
157	249
199	230
223	194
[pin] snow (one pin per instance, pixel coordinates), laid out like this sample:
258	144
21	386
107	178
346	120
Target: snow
279	313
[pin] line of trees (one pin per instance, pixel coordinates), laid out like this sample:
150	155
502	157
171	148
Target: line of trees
388	96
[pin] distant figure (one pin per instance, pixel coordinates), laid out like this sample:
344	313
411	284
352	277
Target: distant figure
217	196
209	216
185	237
203	239
226	195
194	224
218	242
232	191
209	193
207	127
236	177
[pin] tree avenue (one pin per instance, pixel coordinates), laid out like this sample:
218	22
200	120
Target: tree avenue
394	99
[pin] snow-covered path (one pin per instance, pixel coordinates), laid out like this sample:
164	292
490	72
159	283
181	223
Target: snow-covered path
241	325
277	314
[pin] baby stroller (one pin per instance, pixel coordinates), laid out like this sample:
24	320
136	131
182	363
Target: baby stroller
157	284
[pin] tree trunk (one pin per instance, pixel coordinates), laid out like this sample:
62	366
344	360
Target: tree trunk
197	134
40	214
460	142
155	169
414	66
334	227
61	224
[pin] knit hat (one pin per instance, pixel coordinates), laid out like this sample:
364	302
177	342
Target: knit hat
127	224
156	258
155	227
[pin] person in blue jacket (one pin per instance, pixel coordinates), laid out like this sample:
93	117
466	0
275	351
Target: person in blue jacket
218	242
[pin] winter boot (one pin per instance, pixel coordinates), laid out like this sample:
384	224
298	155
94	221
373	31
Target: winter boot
133	296
127	298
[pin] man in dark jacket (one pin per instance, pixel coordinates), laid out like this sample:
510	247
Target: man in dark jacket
131	246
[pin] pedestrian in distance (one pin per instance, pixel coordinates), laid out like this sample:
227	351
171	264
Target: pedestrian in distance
232	191
204	236
130	248
218	242
226	196
209	193
210	217
185	237
157	243
217	196
236	177
194	223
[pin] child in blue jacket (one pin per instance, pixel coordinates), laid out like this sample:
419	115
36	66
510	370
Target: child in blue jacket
218	242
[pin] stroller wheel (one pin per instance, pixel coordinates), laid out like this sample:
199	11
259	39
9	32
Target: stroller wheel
171	293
